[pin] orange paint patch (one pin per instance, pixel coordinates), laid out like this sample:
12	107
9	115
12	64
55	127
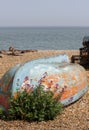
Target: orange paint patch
74	90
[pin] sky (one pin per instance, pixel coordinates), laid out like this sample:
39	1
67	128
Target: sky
44	13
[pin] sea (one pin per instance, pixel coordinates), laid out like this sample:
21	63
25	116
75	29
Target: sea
42	38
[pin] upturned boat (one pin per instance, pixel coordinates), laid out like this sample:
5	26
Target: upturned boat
55	74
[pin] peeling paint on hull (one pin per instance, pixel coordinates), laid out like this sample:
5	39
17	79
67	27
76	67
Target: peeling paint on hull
55	74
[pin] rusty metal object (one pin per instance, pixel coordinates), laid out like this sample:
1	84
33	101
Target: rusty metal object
83	58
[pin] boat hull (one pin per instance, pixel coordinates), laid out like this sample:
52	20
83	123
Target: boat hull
55	74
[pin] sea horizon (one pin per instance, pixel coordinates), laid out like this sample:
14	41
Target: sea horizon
43	37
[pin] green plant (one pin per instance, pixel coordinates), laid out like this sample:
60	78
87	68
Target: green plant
2	114
36	106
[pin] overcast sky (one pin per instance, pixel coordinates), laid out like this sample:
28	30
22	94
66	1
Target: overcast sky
44	13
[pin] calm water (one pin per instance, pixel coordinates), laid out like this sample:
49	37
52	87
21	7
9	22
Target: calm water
57	38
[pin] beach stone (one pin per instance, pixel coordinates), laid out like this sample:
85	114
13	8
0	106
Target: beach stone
1	56
55	74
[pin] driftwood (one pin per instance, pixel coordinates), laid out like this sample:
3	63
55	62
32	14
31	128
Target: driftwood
14	52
